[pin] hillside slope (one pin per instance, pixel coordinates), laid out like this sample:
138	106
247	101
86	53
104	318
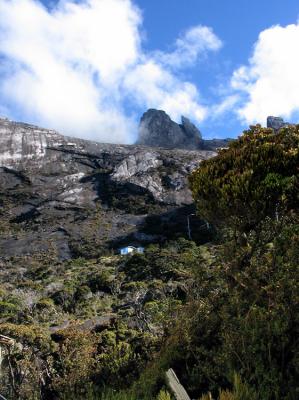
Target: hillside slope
66	206
65	193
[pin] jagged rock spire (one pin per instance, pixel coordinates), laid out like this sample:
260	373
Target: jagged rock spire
156	129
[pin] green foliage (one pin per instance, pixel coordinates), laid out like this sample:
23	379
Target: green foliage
122	395
163	395
244	315
8	309
24	362
101	280
173	261
74	362
244	312
241	391
257	176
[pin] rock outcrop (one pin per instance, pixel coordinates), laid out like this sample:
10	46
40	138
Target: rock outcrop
60	194
158	130
276	123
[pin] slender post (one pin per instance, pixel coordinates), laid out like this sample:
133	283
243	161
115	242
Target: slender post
189	226
175	386
276	212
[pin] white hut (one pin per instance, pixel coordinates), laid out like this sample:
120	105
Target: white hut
131	249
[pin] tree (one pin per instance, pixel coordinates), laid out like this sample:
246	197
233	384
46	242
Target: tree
26	365
256	177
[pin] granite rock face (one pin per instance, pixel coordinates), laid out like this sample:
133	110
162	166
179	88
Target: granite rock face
60	194
156	129
191	131
276	123
65	162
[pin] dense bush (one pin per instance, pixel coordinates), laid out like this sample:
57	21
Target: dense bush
257	176
244	312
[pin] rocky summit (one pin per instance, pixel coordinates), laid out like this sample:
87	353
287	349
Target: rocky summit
70	197
276	123
156	129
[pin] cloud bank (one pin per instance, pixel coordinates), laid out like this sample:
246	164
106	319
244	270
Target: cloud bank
76	67
269	83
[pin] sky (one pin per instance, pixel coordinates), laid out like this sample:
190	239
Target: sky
90	68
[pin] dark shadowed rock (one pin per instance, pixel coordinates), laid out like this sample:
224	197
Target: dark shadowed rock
158	130
98	324
190	130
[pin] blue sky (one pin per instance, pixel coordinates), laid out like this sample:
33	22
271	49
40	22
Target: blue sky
237	23
90	68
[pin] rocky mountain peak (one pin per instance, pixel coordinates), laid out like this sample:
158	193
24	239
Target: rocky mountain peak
190	129
276	123
156	129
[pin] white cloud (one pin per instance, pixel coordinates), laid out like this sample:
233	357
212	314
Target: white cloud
195	42
155	87
226	105
74	68
67	64
269	83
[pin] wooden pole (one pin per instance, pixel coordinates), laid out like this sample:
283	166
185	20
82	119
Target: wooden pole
175	386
